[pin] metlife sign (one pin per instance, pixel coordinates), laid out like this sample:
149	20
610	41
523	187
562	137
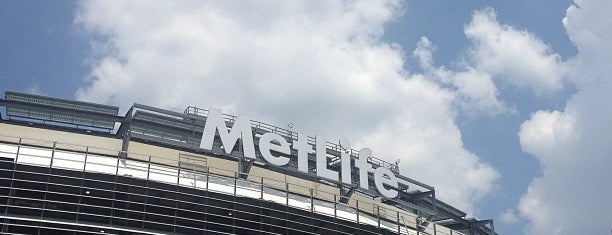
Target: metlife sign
277	151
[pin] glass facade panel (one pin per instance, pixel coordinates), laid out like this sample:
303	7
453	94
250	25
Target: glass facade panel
48	187
97	191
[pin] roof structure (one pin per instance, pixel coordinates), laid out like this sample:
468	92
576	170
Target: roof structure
183	131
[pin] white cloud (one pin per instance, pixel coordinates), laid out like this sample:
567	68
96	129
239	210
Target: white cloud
512	56
509	217
474	90
500	54
573	146
320	65
34	89
546	131
323	66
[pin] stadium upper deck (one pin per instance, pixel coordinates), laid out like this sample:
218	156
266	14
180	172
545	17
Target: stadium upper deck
157	148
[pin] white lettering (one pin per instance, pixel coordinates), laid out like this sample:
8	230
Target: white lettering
322	169
303	148
345	167
277	151
240	130
274	142
364	167
382	177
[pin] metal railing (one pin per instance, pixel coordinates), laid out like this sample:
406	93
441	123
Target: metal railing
196	175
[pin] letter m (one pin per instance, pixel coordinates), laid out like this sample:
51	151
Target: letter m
240	130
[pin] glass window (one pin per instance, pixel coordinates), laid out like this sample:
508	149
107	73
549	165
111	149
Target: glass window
8	151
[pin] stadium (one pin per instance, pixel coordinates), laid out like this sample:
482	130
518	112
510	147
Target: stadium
72	167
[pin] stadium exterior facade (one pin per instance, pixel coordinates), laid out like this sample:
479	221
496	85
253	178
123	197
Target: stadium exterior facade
71	167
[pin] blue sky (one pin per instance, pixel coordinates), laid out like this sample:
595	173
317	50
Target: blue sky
491	102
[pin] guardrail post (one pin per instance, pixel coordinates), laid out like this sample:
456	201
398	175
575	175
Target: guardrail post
207	173
261	187
235	182
311	201
116	168
335	207
357	206
148	168
85	159
398	222
435	230
416	225
378	215
178	173
52	155
286	193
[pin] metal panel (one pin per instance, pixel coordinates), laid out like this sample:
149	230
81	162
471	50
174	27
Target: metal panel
67	113
61	103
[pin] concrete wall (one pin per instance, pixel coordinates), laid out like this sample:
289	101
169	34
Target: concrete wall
45	138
